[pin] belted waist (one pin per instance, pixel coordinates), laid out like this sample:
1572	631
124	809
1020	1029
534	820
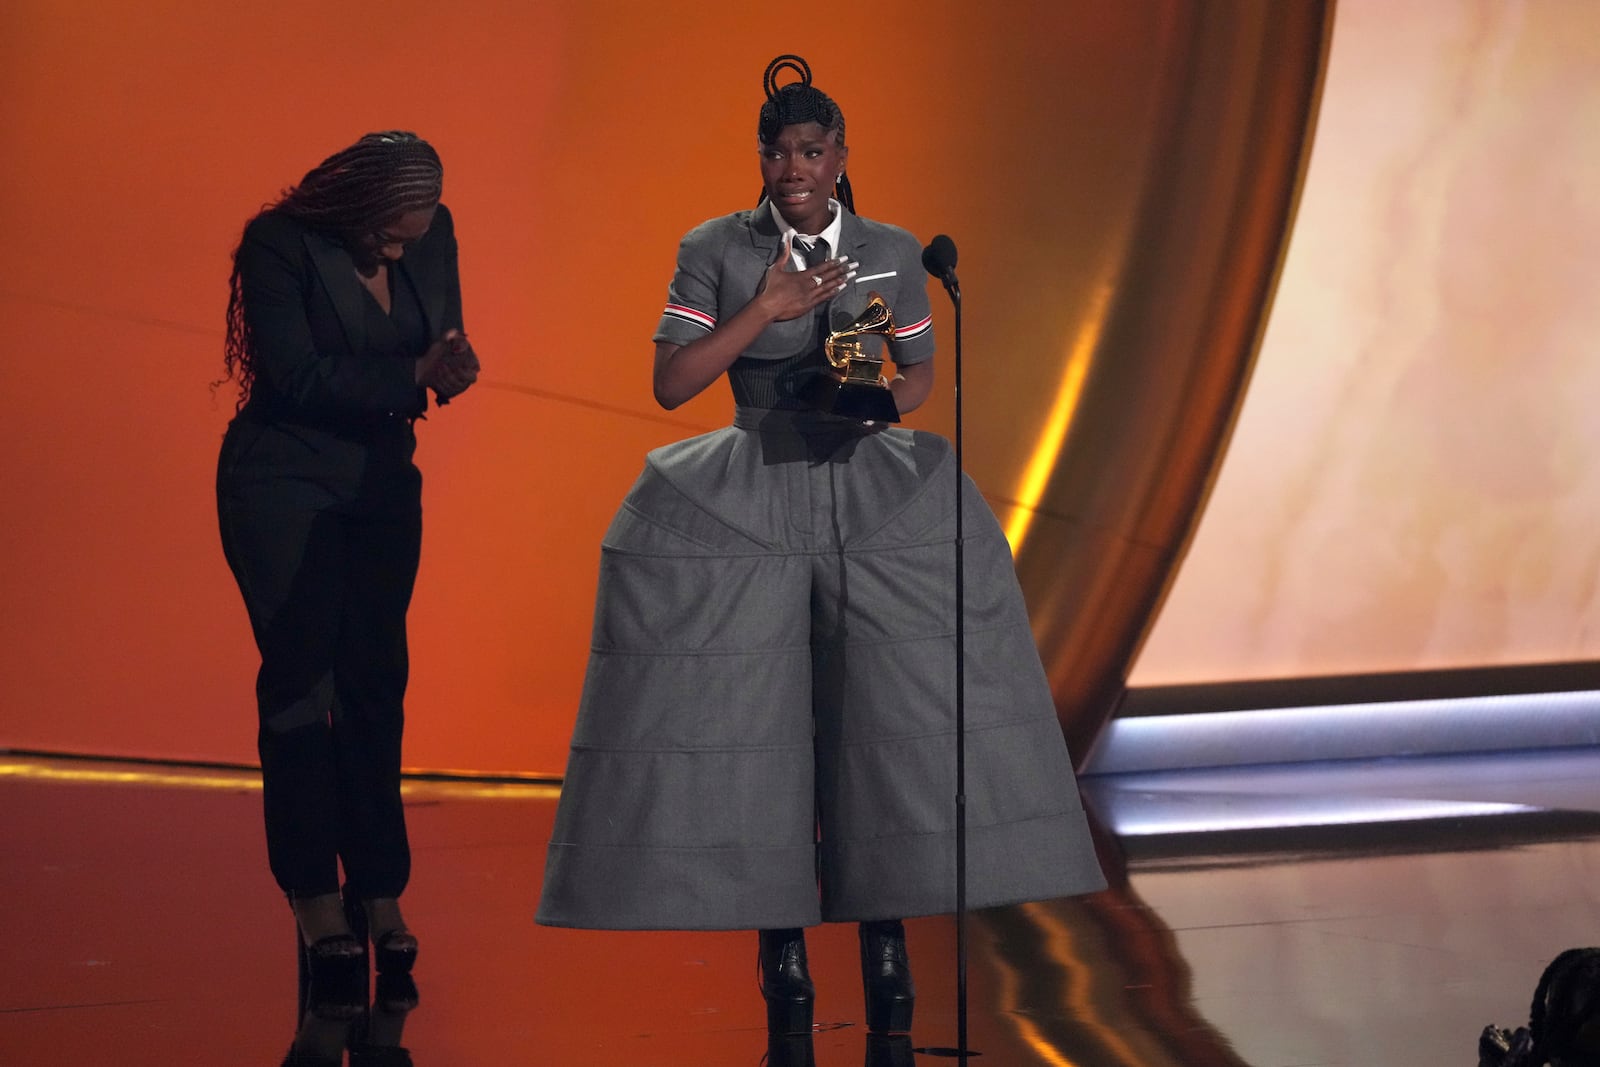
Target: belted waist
778	383
792	420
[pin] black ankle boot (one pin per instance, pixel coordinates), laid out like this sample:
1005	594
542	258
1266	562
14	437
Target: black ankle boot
790	1050
786	981
886	977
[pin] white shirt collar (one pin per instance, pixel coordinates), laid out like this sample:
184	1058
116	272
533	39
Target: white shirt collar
830	233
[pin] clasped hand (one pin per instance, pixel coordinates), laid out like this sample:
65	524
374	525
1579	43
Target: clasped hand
449	365
788	294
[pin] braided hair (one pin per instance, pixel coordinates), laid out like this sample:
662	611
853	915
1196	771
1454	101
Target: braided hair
1565	1018
349	195
801	102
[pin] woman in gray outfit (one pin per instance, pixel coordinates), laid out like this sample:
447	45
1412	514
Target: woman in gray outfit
766	738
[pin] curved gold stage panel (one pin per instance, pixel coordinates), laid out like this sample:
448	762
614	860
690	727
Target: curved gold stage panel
1110	448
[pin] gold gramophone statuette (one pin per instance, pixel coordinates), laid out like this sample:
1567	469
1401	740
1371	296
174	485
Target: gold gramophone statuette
853	385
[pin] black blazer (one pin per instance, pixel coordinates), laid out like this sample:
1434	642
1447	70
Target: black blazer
305	311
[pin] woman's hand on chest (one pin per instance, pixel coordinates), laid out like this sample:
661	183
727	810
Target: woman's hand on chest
784	295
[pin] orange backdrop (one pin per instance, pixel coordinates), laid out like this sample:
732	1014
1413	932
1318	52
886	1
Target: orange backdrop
579	141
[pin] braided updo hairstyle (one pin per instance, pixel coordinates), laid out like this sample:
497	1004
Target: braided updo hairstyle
350	195
801	102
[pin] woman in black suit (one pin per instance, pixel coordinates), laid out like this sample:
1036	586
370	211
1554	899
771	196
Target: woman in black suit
345	309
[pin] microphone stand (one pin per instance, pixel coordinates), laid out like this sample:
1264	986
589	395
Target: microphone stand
939	259
954	289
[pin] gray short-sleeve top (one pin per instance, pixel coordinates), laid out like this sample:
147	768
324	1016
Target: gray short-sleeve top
720	264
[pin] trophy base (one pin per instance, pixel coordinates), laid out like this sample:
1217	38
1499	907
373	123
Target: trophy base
864	402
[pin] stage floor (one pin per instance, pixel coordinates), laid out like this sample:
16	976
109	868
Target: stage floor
1374	914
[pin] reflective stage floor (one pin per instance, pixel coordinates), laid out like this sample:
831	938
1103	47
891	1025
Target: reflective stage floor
1373	914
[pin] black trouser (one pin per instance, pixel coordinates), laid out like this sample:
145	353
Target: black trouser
323	535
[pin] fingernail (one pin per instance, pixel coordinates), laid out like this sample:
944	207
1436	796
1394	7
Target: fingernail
852	274
842	287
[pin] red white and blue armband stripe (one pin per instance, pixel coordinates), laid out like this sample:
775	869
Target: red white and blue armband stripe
915	330
690	315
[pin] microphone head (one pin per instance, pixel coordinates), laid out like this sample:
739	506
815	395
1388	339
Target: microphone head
939	258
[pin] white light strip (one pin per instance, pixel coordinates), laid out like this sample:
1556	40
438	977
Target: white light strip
1347	731
1357	811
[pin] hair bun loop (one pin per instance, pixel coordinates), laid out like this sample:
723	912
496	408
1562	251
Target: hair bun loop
769	81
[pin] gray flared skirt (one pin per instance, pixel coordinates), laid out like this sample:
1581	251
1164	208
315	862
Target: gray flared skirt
767	731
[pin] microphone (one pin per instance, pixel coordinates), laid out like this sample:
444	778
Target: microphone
939	260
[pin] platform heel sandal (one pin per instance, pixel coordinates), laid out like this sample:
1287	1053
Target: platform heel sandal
394	951
332	974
